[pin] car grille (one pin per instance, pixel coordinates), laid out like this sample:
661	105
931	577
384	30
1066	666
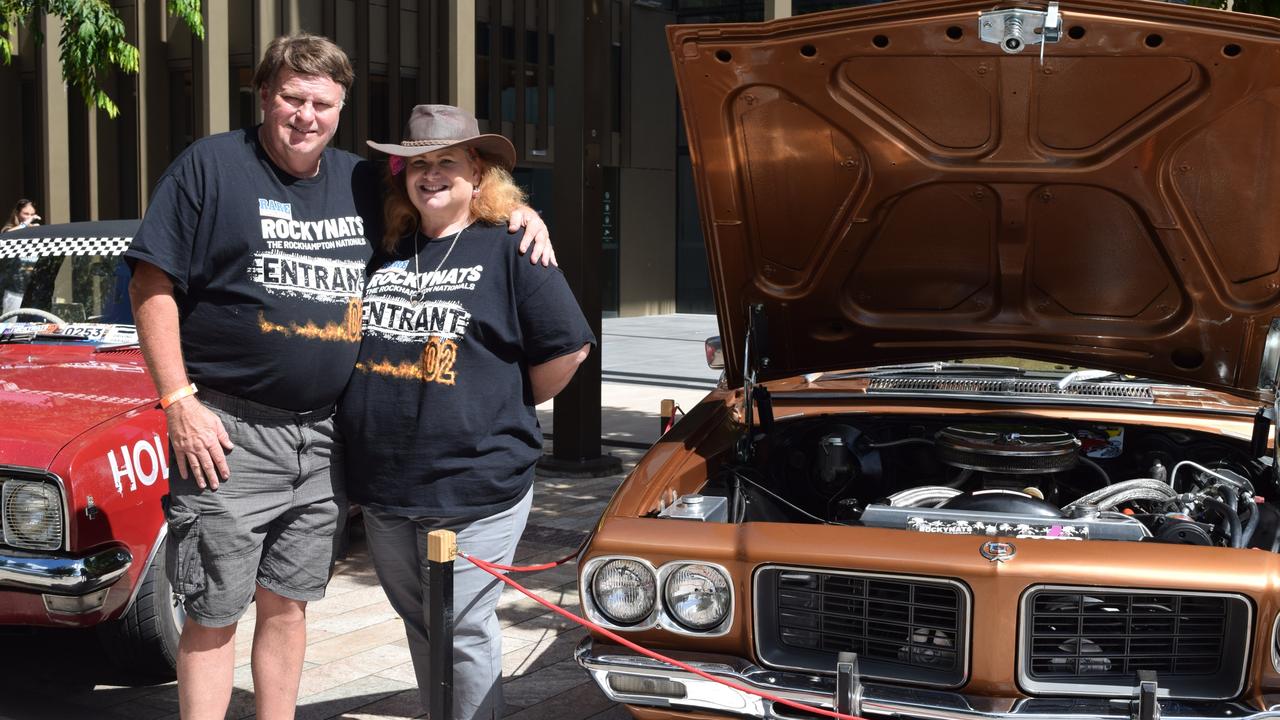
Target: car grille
907	629
1083	639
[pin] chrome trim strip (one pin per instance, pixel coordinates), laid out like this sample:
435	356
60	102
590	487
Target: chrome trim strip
878	699
38	474
64	576
967	616
1029	685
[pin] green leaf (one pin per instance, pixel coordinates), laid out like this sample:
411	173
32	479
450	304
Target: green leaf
92	42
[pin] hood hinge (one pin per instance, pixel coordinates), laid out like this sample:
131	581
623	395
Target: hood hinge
754	359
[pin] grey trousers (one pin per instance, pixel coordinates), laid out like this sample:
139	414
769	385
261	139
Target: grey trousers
399	548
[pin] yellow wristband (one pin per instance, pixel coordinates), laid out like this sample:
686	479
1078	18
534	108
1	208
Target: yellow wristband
176	395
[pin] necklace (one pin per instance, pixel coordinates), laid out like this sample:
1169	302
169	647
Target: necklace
447	253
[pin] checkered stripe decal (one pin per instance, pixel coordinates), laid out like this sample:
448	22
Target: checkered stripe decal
78	396
43	247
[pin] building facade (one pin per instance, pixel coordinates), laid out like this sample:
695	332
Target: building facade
496	57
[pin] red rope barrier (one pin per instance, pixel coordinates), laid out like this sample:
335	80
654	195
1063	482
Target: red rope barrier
492	569
532	568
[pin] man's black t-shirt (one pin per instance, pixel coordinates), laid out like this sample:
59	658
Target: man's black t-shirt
268	268
439	413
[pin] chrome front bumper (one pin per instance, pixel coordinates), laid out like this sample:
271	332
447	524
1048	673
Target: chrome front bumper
877	699
62	575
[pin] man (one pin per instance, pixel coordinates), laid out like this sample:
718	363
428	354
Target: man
248	271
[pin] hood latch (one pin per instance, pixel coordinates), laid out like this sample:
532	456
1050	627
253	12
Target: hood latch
1015	28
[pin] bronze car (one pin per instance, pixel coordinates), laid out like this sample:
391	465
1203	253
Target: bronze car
999	292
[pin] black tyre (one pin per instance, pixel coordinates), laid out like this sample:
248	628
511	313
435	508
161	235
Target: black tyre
143	642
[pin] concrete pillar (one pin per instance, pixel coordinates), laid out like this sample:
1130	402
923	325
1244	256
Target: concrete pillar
91	148
462	55
55	156
774	9
154	111
583	44
266	27
215	70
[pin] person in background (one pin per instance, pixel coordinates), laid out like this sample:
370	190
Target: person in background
23	215
461	340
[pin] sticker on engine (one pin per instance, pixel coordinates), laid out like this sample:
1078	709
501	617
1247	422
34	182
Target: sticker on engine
1050	531
1101	442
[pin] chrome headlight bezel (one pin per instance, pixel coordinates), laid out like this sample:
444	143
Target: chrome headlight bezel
671	621
1275	643
660	616
592	606
51	491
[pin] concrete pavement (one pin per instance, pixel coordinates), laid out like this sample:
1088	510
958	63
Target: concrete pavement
357	662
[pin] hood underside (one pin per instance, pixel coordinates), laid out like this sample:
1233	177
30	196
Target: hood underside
891	188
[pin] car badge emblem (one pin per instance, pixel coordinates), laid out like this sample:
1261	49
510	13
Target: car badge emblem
998	552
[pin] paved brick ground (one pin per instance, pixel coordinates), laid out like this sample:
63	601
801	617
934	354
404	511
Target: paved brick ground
357	661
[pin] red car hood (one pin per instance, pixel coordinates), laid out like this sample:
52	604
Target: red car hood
49	394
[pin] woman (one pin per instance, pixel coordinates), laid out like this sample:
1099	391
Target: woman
461	339
23	215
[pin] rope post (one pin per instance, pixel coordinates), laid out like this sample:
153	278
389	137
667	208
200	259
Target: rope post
666	414
442	550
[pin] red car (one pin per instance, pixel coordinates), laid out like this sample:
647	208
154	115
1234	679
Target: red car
83	448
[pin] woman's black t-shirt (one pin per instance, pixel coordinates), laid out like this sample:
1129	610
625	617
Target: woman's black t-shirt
439	416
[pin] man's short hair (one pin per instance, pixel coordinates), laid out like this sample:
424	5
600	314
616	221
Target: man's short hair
305	54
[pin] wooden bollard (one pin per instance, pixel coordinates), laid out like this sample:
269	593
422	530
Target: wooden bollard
442	550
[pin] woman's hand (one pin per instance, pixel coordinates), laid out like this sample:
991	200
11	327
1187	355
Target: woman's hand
535	234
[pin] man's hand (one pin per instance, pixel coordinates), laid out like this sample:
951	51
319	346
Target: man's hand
535	234
200	443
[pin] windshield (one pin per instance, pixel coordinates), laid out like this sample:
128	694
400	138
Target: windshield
73	288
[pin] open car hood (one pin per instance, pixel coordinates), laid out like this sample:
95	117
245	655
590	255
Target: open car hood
891	188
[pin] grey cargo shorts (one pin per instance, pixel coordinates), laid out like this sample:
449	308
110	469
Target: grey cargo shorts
274	523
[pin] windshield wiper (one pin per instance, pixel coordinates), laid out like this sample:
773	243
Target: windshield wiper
923	368
1078	376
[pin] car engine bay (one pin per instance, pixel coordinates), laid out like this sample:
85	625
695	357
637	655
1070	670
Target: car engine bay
1052	480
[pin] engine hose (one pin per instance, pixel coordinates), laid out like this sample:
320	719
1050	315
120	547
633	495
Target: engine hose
1228	513
1254	516
1097	469
1232	500
1100	497
1138	493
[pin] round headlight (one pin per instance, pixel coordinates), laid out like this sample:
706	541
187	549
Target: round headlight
32	514
624	590
698	596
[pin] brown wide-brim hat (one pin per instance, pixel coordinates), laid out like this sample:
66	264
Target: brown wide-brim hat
436	127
